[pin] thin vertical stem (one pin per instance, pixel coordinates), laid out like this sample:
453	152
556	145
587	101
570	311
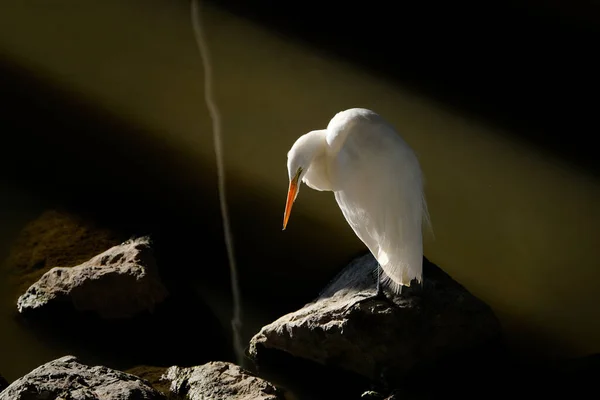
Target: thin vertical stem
236	321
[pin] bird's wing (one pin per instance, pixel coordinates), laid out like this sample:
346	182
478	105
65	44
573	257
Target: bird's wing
379	190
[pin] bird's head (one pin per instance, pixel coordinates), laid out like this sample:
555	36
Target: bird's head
297	167
299	159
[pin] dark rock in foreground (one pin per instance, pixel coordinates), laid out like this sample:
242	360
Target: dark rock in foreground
118	283
3	383
65	378
347	328
219	380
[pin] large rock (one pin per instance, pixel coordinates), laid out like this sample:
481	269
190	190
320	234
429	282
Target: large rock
67	379
56	239
219	380
118	283
347	328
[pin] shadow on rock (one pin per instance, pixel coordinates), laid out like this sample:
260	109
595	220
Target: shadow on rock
181	330
309	380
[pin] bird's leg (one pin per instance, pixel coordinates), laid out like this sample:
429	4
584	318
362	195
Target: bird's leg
379	293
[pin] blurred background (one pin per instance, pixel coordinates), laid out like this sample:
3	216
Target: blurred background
102	112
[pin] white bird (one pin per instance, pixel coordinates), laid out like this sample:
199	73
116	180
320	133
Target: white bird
378	184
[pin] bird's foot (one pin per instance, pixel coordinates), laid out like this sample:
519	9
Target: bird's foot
412	292
379	294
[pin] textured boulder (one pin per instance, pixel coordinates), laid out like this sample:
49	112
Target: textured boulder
219	380
55	239
383	340
118	283
67	379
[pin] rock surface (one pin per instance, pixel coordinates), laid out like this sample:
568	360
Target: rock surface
219	380
347	328
55	239
118	283
67	379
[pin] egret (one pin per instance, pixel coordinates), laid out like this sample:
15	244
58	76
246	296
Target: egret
378	185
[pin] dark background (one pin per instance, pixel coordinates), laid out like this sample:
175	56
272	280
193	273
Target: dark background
530	65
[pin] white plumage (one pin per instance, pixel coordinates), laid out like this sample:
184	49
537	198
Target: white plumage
377	182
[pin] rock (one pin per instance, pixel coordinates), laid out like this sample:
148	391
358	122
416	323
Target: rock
55	239
66	379
118	283
3	383
220	380
384	341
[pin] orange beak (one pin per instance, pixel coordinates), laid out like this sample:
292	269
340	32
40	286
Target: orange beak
291	197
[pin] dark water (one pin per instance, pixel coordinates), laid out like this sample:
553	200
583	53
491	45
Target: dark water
130	144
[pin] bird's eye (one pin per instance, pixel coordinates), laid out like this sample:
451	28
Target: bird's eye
299	172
